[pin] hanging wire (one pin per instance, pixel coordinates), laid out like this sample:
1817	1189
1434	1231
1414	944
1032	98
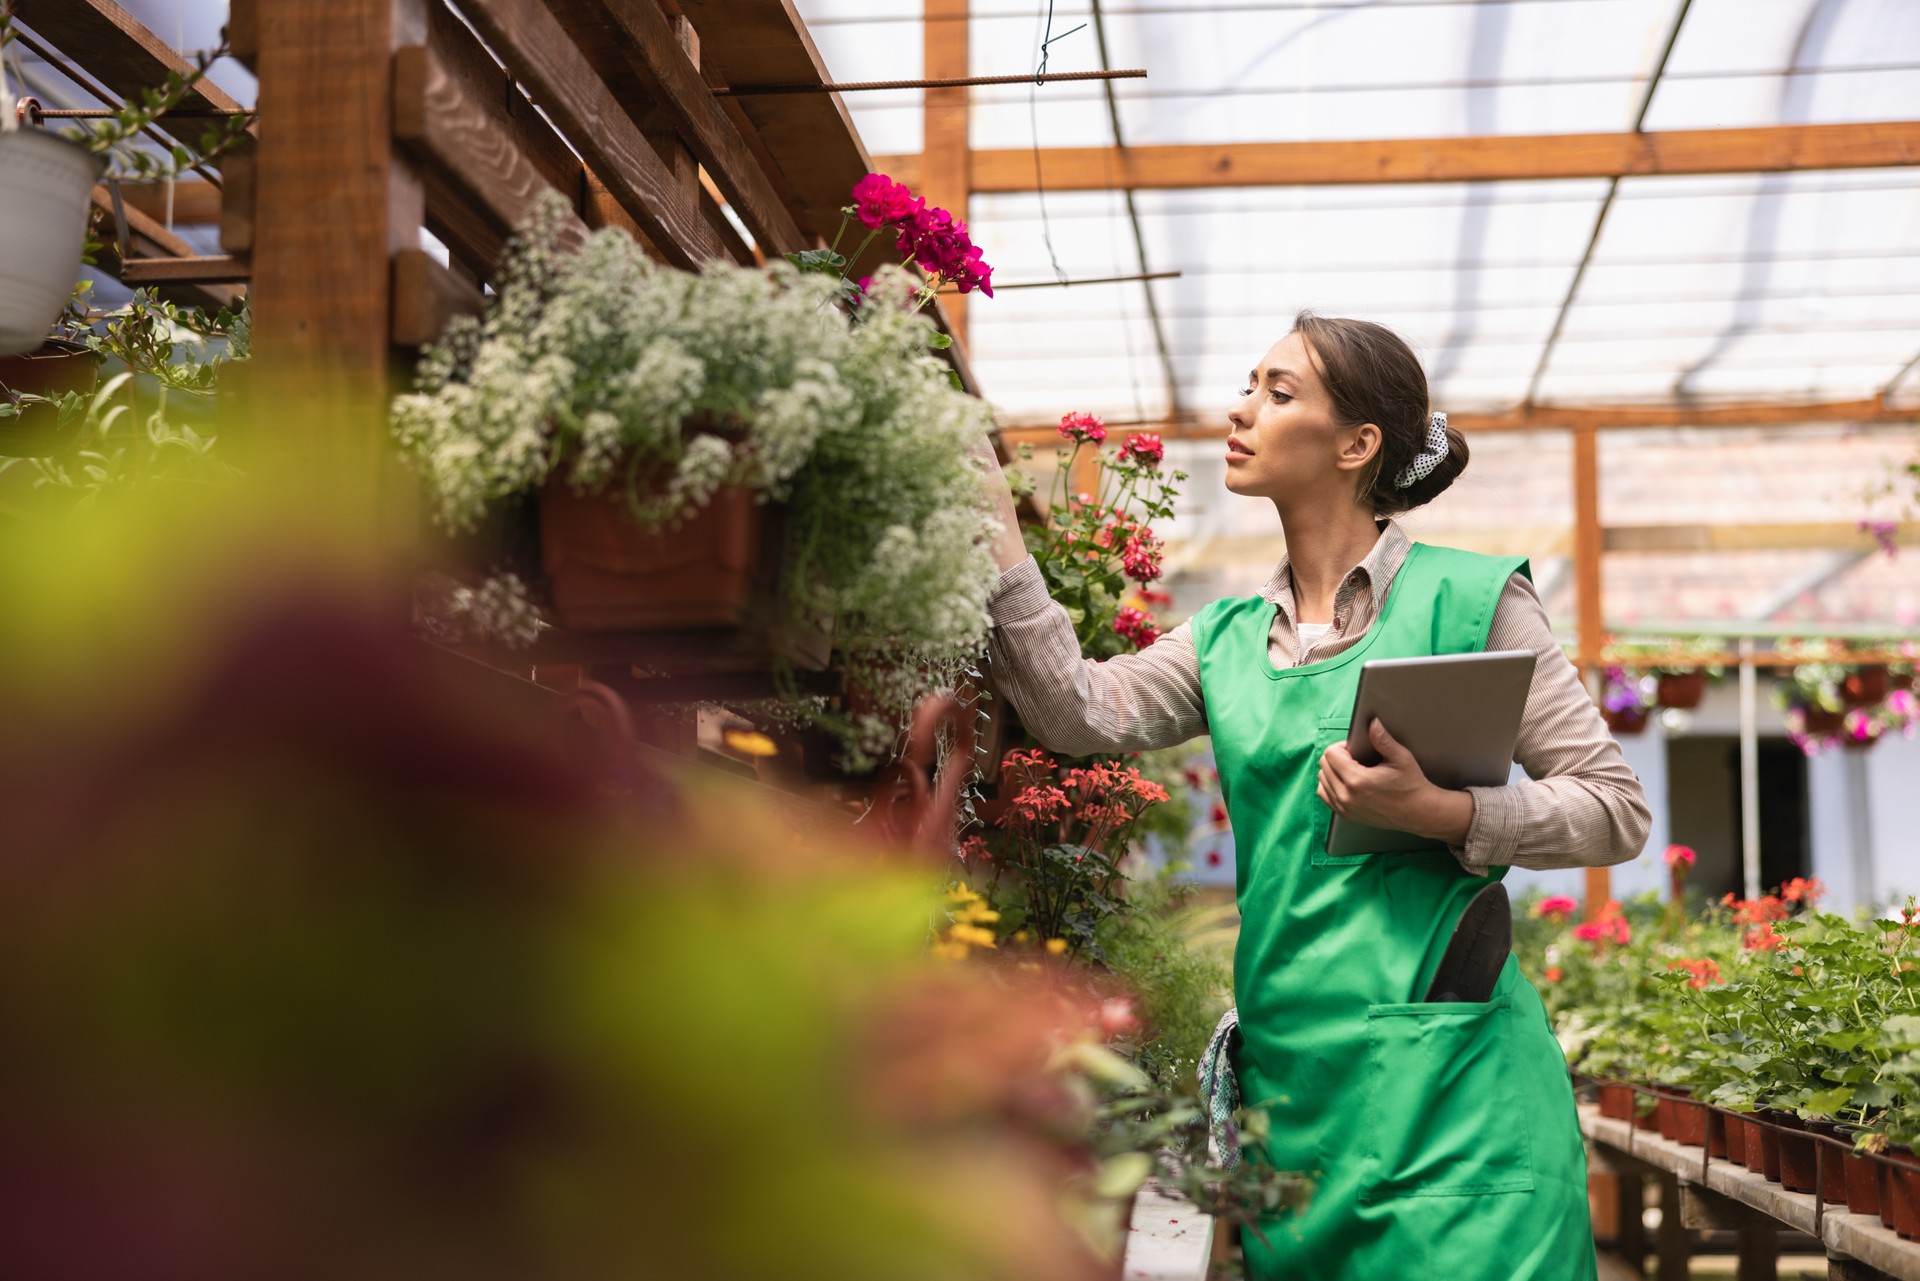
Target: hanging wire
1047	40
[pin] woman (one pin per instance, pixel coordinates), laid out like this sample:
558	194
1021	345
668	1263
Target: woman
1442	1136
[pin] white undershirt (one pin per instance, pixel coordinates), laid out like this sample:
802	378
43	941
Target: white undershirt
1311	634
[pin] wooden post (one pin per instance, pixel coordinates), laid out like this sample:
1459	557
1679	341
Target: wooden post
333	203
1759	1255
946	174
1671	1246
1588	544
1630	1236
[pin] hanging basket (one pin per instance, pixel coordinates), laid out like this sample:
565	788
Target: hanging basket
1627	720
715	579
1682	690
1866	686
57	367
1821	723
43	226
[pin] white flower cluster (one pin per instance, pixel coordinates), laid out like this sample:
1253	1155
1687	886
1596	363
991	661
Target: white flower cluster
605	368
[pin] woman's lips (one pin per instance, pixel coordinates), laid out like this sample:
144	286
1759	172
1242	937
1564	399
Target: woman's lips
1236	450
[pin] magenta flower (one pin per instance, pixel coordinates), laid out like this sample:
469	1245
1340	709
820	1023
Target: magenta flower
878	201
1140	558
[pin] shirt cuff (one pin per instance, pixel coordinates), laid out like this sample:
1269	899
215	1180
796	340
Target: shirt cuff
1020	593
1493	837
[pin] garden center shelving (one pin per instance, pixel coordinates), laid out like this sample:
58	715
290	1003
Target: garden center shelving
393	116
1858	1248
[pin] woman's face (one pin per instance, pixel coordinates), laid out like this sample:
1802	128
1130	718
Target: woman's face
1285	442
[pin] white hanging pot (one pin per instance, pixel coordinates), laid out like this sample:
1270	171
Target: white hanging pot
45	183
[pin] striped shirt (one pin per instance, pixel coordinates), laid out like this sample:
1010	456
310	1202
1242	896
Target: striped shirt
1581	806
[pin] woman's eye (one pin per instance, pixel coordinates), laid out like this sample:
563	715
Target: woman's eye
1246	391
1281	398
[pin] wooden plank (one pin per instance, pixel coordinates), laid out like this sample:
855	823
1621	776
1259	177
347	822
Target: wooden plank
426	296
1672	1240
148	239
818	151
542	56
114	48
190	269
946	170
476	160
243	31
239	175
659	58
1516	157
1561	418
195	201
491	91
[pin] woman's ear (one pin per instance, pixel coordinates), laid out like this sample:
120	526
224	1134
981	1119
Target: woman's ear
1360	448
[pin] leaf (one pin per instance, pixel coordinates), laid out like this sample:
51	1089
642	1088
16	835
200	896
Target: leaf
940	342
1828	1102
1842	1041
1121	1176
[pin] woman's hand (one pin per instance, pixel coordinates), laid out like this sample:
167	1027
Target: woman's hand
1395	794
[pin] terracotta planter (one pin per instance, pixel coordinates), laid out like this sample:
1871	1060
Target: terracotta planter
1716	1123
1832	1160
53	369
1683	690
1798	1171
1900	1193
1645	1117
1689	1120
1769	1149
1733	1136
1862	1174
1616	1101
1629	720
717	575
1755	1159
1903	680
1663	1116
1866	686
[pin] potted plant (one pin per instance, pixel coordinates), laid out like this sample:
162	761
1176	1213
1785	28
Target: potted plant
748	452
1625	700
1866	685
50	179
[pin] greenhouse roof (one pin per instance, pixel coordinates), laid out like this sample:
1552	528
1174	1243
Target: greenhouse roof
1709	287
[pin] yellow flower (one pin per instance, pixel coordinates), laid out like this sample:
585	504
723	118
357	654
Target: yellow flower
973	934
749	743
1056	947
1022	937
962	894
975	914
946	951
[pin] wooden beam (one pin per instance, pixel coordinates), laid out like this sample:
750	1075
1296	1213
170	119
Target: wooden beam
426	296
114	48
946	161
190	269
810	139
334	202
666	63
473	157
195	201
148	239
1559	418
239	178
1769	149
1590	621
543	57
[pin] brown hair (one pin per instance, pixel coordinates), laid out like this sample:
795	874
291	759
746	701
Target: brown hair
1374	377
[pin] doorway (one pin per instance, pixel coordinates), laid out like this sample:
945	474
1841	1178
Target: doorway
1703	787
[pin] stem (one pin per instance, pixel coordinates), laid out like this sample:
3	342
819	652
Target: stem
834	247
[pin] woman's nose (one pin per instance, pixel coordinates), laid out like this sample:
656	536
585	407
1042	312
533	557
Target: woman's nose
1236	421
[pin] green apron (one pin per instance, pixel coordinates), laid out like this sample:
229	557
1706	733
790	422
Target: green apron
1442	1137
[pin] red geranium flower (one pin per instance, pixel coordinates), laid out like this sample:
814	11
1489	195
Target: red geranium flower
1145	448
1083	427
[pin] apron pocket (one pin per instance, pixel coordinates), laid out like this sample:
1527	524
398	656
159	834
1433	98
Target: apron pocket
1446	1116
1332	729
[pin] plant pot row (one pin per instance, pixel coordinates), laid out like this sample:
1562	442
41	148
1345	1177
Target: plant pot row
1815	1157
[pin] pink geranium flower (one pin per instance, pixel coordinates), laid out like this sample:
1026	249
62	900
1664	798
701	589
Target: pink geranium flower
1559	907
879	201
1145	448
1083	427
1137	626
1680	855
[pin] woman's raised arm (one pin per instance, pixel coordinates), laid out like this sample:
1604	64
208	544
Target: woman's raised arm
1073	705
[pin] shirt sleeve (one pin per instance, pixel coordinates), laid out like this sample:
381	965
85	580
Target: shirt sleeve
1077	706
1581	805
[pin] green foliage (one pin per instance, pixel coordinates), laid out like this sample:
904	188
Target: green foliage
1183	988
1750	1004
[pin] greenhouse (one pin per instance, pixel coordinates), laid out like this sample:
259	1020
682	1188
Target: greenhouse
1180	640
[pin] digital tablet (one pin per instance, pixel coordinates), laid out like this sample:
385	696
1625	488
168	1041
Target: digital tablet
1459	714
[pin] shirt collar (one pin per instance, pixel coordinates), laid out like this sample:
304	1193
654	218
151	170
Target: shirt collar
1374	572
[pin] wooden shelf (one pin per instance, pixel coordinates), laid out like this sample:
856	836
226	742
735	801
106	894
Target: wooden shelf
1853	1236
